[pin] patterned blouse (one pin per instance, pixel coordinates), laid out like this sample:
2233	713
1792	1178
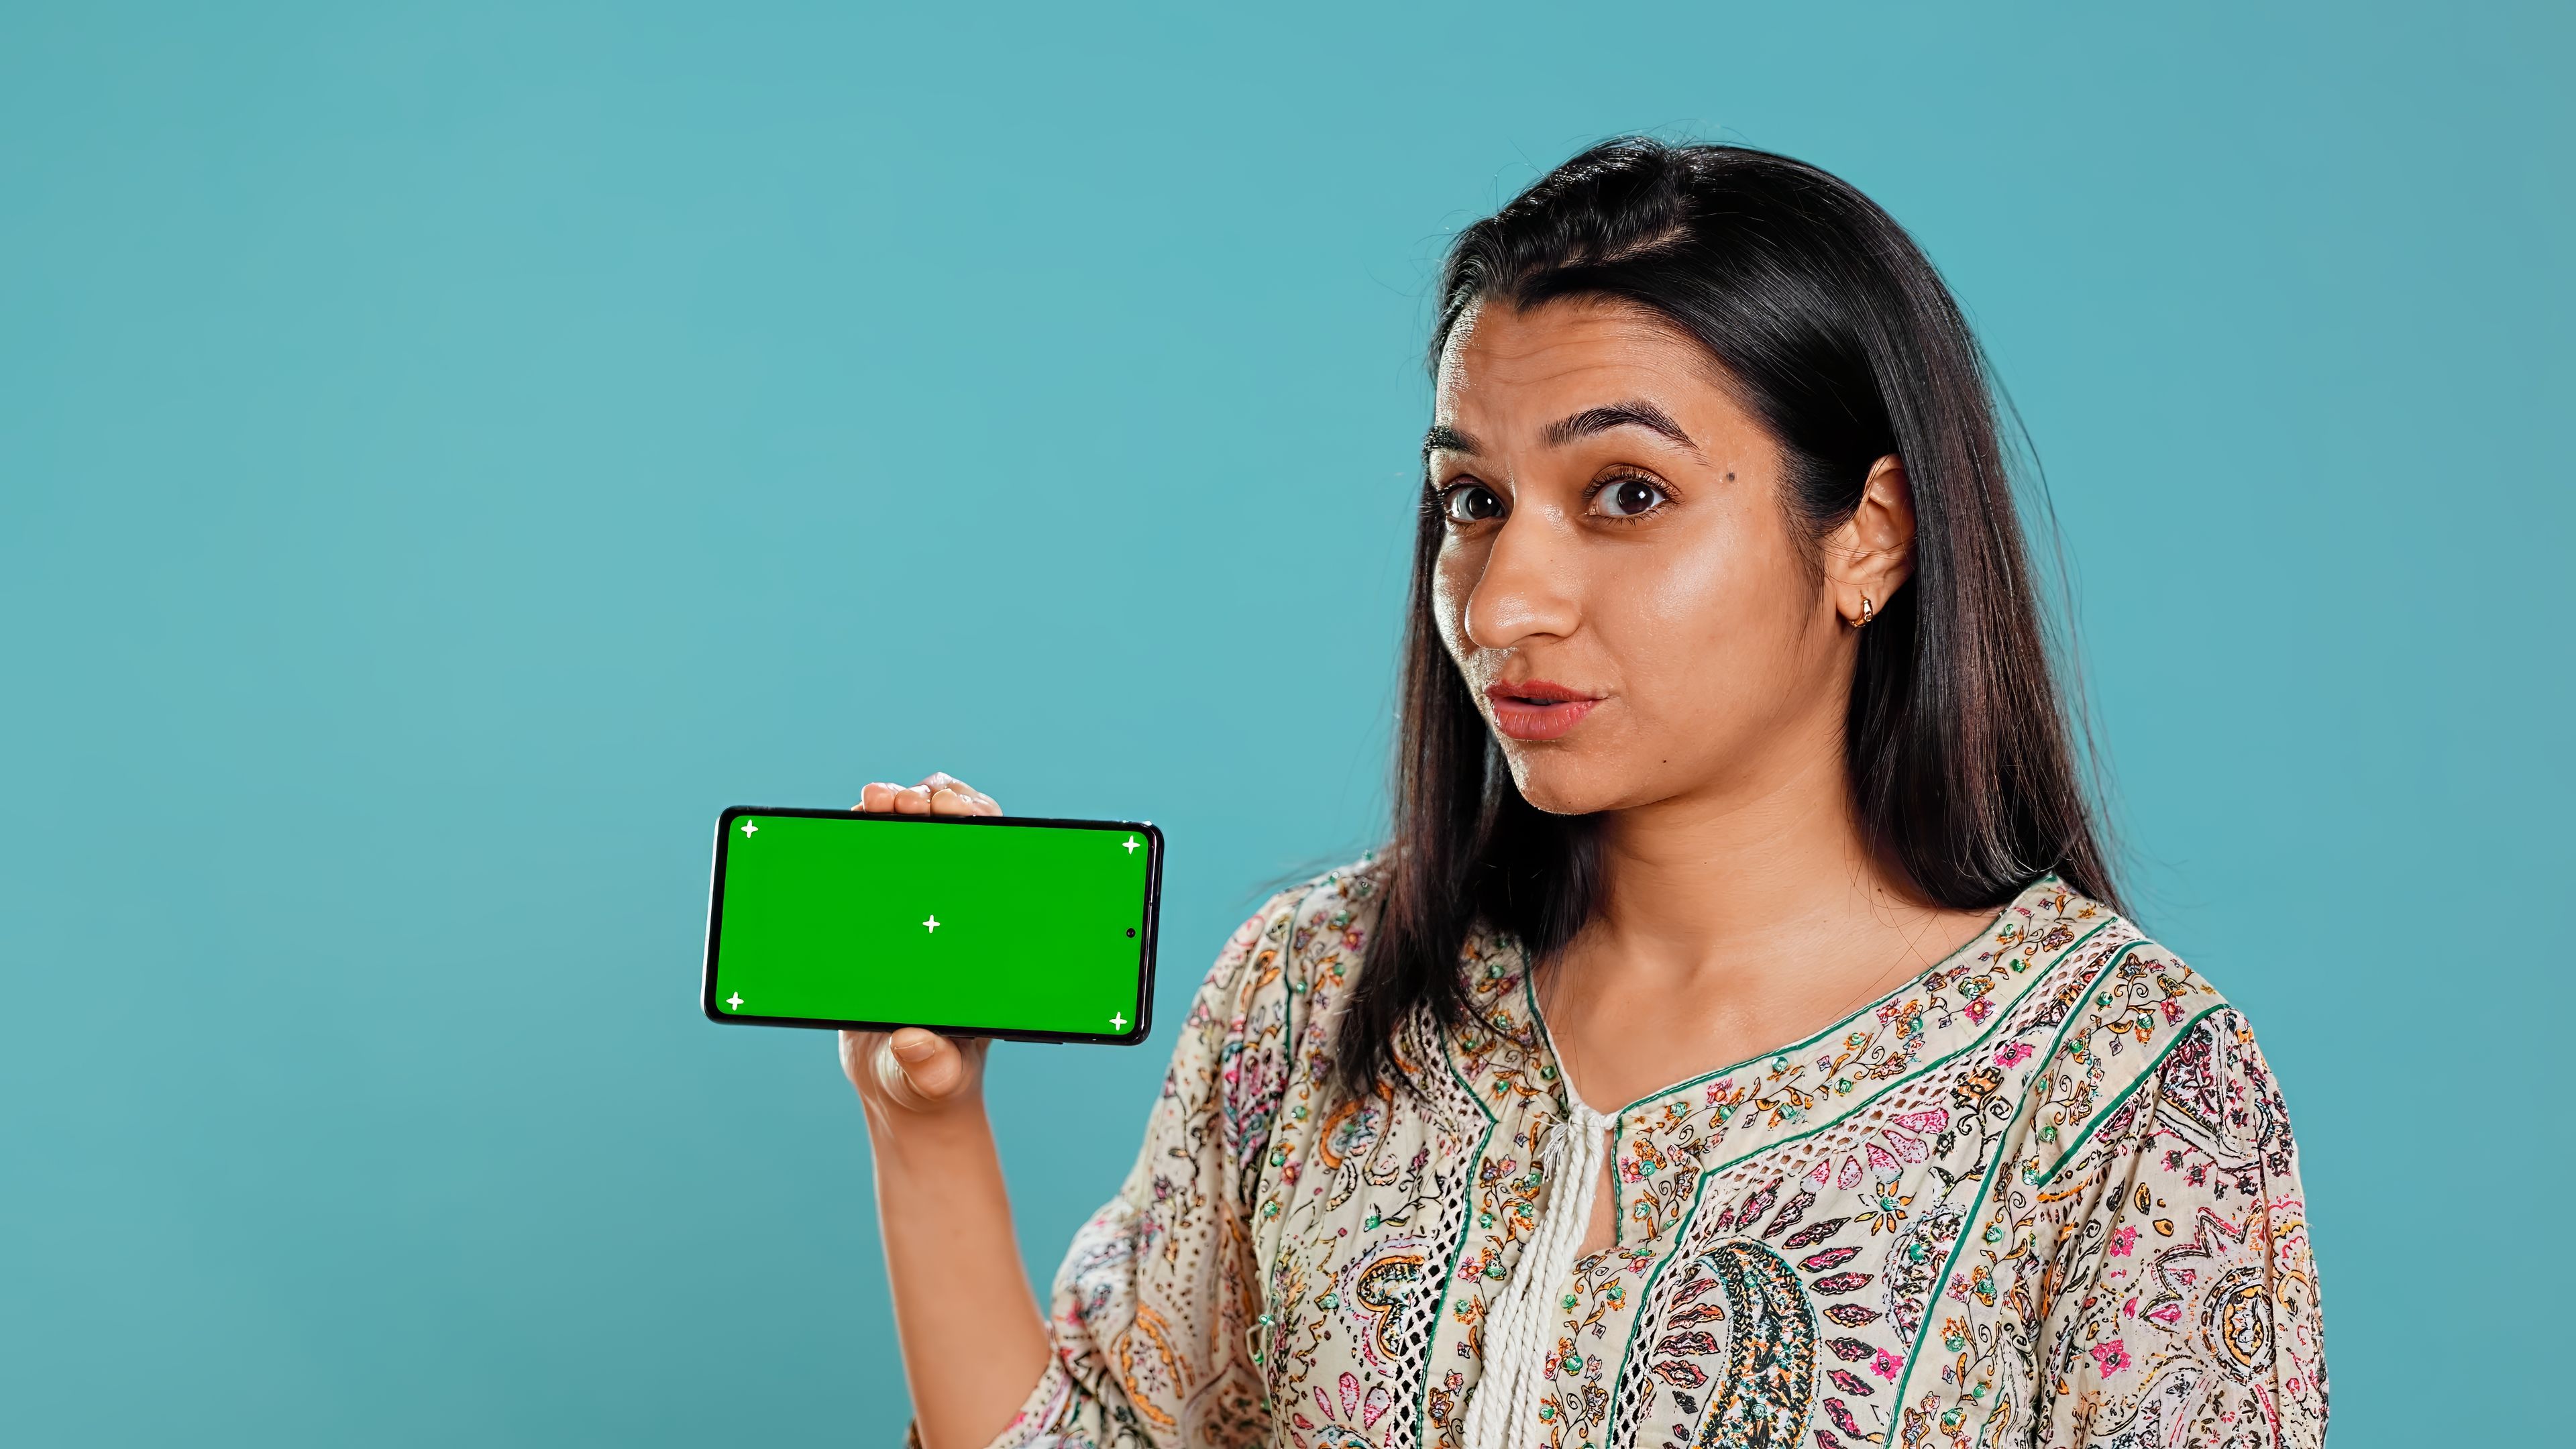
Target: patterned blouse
2043	1193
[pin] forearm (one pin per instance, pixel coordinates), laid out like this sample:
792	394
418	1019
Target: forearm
974	1342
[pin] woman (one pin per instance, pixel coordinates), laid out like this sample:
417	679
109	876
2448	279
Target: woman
1738	1043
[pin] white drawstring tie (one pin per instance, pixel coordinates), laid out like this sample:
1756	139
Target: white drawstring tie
1503	1413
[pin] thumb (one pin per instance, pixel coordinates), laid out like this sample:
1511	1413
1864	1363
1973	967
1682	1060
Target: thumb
922	1068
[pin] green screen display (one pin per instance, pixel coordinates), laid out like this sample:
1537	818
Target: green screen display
1039	927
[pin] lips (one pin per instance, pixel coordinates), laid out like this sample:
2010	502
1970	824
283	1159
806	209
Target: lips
1537	709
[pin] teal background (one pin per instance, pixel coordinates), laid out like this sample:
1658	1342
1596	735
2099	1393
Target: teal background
448	452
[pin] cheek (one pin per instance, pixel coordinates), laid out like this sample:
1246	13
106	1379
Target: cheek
1453	578
1682	600
1713	618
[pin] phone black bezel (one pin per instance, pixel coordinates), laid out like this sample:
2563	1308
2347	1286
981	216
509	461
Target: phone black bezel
1151	930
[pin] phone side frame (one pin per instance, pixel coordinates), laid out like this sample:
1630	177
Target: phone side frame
1152	930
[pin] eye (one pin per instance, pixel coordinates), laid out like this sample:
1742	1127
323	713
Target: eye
1469	503
1629	497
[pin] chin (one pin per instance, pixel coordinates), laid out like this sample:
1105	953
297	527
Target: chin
1562	783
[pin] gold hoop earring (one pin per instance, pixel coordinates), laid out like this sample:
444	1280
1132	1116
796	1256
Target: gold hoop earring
1866	613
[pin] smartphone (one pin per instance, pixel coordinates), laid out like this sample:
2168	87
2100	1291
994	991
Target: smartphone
974	925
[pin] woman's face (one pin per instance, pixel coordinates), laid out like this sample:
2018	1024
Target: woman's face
1619	581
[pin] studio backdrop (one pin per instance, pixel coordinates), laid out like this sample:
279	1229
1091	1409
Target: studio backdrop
447	453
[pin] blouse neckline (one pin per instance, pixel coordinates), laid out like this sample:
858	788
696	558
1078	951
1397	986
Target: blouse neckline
1874	1009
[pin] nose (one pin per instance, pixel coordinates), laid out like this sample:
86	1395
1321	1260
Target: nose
1526	589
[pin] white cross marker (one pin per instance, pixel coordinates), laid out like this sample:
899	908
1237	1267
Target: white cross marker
931	925
1118	1021
1131	845
749	830
735	1001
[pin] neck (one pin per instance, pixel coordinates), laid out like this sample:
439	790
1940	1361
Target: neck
1747	877
1736	917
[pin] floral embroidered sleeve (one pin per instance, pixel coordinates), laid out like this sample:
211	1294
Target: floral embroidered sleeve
2184	1310
1153	1307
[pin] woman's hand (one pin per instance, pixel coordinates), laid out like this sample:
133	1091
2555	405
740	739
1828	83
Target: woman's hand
913	1072
974	1343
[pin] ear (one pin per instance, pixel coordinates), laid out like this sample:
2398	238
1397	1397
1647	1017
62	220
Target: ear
1871	554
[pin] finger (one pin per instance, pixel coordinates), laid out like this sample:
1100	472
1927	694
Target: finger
973	801
862	1054
938	1069
921	1068
876	796
913	801
886	1070
951	800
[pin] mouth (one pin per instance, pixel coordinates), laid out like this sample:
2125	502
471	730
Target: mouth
1535	709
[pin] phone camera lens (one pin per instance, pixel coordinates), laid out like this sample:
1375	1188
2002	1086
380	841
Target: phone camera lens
1131	933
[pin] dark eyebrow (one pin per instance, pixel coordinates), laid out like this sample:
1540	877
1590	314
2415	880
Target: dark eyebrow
1445	439
1634	414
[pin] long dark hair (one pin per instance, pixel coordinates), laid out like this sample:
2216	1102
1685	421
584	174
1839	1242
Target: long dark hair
1838	333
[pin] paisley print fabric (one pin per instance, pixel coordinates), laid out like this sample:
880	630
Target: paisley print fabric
2044	1193
1766	1382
